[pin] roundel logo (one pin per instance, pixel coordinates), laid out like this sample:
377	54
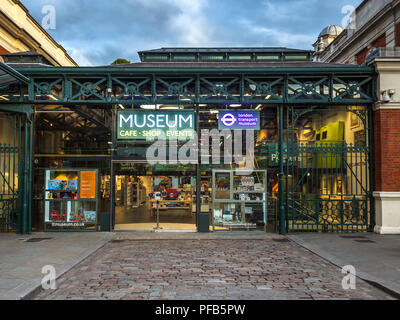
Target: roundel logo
228	120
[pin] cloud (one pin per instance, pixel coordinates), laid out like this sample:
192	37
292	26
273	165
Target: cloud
98	32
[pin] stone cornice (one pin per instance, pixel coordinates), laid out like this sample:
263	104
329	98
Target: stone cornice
387	65
386	106
381	195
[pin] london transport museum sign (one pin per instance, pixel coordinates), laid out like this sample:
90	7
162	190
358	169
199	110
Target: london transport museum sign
239	120
143	124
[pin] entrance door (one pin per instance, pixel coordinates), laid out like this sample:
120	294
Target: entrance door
148	202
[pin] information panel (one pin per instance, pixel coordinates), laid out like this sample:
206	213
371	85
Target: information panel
88	185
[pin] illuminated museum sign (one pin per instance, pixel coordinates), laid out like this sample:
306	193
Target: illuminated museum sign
142	124
239	120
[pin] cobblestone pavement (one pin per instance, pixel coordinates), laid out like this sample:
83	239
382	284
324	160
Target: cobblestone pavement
184	269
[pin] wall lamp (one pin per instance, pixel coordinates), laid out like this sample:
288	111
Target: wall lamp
387	95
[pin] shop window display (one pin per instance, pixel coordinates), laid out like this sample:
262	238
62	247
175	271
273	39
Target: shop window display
70	200
239	202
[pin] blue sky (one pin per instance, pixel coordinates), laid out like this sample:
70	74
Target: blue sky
98	32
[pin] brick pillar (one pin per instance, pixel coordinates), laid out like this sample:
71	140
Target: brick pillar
387	145
387	169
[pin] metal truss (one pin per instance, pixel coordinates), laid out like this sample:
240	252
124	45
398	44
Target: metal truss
137	86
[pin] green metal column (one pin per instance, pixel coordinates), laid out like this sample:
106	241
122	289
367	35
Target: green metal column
25	191
30	183
282	218
112	172
198	173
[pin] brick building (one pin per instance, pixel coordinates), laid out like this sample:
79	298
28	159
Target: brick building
373	39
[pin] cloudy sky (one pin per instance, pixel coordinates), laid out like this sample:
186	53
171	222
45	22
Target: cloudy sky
96	32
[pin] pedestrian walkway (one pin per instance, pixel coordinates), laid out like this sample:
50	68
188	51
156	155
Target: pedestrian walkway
225	266
375	257
23	257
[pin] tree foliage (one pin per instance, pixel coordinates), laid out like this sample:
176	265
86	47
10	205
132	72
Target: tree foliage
121	61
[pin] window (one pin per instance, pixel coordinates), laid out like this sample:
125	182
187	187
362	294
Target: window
397	35
240	58
267	57
184	58
380	42
362	56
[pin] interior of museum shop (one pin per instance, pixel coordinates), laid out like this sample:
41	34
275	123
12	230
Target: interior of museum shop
75	194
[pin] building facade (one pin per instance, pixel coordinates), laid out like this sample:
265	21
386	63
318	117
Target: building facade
22	39
304	127
20	32
75	155
374	40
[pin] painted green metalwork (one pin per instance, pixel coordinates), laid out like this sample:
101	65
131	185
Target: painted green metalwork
9	191
301	209
225	54
328	187
16	172
142	85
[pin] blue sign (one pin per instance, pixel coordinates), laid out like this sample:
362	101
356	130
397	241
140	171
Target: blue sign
239	120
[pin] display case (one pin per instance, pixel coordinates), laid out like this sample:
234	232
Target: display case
239	202
70	202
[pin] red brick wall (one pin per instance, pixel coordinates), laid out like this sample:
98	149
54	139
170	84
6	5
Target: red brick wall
387	150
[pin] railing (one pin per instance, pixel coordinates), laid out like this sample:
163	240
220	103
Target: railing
393	52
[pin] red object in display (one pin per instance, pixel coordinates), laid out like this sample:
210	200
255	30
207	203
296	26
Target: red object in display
172	194
55	216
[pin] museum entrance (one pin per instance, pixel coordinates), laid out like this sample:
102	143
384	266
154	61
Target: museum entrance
154	201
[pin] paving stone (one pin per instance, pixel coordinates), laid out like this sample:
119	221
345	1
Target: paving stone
207	269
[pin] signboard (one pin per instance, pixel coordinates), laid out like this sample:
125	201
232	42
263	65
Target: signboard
273	155
141	124
88	185
239	120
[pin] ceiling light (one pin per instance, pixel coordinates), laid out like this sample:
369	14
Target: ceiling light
235	105
168	107
149	107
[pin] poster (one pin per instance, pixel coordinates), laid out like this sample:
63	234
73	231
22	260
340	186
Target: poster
88	185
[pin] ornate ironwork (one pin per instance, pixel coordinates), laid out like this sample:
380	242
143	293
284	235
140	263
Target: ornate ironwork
191	85
328	183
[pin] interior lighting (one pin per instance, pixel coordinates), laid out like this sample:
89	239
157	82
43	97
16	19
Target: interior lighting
149	107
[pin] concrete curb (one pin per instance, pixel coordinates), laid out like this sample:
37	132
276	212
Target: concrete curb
383	285
29	289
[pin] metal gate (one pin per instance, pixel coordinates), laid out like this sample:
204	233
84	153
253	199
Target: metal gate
9	160
328	182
